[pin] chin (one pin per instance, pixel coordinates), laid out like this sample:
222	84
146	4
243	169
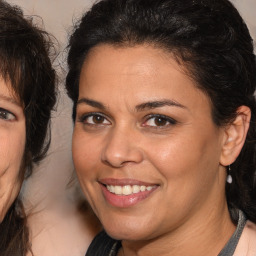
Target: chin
126	233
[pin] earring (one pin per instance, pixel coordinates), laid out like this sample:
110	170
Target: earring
229	177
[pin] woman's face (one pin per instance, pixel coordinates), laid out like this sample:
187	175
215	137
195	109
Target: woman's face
12	144
145	147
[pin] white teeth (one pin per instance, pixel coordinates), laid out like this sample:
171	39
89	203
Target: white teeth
135	189
118	190
112	189
128	189
142	188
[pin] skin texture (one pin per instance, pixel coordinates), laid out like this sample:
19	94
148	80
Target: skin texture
12	145
118	139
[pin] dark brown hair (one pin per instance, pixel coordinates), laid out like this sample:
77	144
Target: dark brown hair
25	62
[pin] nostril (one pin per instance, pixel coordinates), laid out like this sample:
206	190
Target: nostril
116	163
121	149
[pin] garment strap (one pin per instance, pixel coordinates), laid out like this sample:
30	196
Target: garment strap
230	246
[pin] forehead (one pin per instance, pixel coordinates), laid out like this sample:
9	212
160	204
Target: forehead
142	56
142	69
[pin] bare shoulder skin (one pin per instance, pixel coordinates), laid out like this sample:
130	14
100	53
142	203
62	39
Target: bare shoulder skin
247	242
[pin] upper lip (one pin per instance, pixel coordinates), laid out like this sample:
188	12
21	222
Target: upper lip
125	181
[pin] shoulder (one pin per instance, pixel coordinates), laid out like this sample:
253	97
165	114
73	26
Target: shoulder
103	245
247	242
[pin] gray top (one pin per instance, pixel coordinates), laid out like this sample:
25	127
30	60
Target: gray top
230	247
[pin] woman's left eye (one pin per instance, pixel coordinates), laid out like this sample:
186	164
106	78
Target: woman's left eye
159	121
6	115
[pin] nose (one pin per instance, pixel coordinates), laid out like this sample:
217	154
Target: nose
121	148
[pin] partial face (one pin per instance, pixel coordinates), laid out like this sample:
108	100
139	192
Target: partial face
12	144
145	147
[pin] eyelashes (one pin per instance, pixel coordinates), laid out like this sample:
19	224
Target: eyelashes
156	121
159	121
6	115
94	119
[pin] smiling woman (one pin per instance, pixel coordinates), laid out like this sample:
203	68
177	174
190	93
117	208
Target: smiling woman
164	136
27	96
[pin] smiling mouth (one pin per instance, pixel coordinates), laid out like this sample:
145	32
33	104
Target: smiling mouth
127	190
125	193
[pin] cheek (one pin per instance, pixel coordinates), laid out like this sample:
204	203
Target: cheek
172	155
185	162
11	156
86	157
11	151
86	154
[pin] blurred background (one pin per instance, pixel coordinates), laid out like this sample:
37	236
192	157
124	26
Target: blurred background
51	195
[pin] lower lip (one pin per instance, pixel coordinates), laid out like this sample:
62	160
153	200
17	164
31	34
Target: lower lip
123	201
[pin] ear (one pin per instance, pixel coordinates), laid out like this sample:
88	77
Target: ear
234	136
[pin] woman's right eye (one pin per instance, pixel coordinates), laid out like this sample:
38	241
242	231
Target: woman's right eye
6	115
94	119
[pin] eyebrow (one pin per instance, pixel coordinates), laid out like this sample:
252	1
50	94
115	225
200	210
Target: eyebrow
158	104
141	107
9	99
91	103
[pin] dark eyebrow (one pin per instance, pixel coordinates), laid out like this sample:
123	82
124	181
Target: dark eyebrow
140	107
9	99
158	104
91	103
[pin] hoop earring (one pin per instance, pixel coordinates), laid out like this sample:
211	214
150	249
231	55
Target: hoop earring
229	177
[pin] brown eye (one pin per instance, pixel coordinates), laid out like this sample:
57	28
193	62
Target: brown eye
94	119
159	121
98	119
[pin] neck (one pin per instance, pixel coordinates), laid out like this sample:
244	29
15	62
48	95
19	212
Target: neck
199	236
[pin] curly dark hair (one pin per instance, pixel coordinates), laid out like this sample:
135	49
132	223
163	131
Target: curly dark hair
25	61
210	38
